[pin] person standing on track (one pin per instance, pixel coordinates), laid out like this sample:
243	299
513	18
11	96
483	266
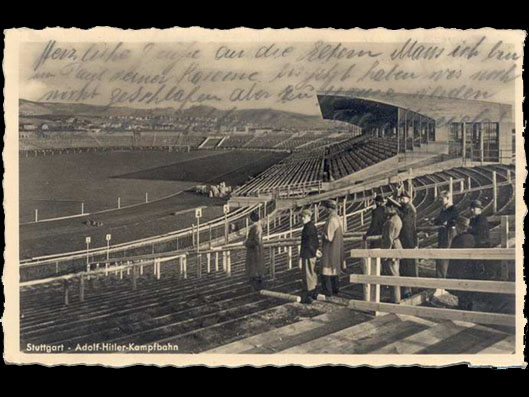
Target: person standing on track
255	267
378	217
447	220
408	238
308	251
332	259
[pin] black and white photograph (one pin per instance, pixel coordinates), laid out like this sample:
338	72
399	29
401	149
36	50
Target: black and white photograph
228	197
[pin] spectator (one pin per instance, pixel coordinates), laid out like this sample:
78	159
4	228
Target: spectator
446	219
408	238
332	247
309	249
378	217
390	240
254	253
463	269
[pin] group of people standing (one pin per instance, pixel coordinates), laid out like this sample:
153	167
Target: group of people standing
394	221
331	254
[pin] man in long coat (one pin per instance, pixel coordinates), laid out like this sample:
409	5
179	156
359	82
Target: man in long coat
332	260
390	240
408	238
463	269
447	220
378	217
255	267
309	247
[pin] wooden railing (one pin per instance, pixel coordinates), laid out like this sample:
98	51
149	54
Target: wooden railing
372	279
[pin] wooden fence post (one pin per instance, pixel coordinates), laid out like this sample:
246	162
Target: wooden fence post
66	292
272	263
134	277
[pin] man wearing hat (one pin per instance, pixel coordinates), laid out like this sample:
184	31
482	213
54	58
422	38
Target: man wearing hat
390	240
463	269
446	219
378	217
309	247
332	256
408	237
479	226
255	267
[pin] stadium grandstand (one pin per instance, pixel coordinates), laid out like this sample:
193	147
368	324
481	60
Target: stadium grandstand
189	287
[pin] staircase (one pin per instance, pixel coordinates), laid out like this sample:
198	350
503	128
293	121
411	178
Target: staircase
345	331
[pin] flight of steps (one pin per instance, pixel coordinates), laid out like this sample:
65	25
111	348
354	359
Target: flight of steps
345	331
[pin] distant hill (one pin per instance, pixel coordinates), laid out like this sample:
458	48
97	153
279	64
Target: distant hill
270	118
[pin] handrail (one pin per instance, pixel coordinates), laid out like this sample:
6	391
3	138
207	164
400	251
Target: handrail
507	254
53	258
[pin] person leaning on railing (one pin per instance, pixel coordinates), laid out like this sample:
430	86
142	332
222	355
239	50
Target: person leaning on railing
255	267
390	240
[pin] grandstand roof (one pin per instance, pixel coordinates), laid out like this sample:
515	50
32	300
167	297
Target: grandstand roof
441	109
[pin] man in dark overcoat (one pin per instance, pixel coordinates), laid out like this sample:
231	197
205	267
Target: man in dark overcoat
446	220
408	237
460	268
378	217
307	254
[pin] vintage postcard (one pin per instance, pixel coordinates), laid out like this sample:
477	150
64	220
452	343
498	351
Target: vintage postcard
264	197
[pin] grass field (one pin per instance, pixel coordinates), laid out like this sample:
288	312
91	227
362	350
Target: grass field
56	186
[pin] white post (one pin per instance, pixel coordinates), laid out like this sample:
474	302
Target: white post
469	183
82	207
198	234
345	213
494	192
216	261
36	215
290	218
504	230
146	197
451	186
119	202
208	257
509	176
